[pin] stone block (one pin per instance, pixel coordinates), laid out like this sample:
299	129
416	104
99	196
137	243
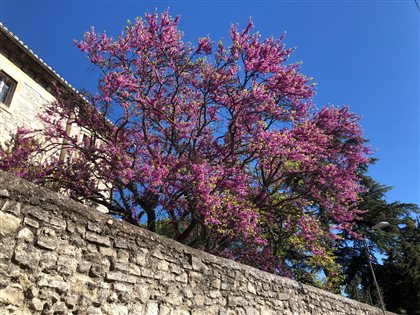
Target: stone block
37	304
152	308
47	239
163	265
141	258
54	282
25	234
31	222
97	271
120	243
8	224
4	193
123	255
122	287
66	265
84	266
118	310
12	295
197	264
7	245
120	266
98	239
183	278
251	288
37	213
119	276
93	311
108	251
134	270
12	207
58	223
94	227
27	256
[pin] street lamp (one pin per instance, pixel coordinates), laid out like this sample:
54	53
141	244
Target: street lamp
378	226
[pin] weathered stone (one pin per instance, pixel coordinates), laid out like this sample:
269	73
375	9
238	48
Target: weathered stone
55	282
236	301
165	310
31	222
47	239
12	295
93	248
251	288
196	263
94	227
98	239
157	254
12	207
124	267
175	269
108	251
71	301
141	258
84	266
8	223
25	234
163	265
121	243
119	276
27	256
183	278
6	248
118	310
112	298
38	213
48	262
37	304
97	271
123	255
4	193
93	311
122	287
282	296
66	265
32	292
58	223
59	308
134	270
152	308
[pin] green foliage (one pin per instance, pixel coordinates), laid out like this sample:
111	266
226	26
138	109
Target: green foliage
399	276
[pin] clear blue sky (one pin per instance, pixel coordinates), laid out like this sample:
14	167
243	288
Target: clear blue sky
364	54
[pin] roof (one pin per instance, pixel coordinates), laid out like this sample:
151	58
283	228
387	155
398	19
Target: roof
31	62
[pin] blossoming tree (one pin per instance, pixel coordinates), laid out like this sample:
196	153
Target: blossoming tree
218	146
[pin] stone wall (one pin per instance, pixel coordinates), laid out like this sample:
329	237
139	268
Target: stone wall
60	257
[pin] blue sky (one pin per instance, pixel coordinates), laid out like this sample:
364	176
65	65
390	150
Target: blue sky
364	54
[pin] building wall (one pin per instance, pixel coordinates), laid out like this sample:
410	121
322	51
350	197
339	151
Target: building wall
60	257
28	101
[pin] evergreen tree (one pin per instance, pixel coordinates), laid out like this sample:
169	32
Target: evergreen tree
399	277
396	242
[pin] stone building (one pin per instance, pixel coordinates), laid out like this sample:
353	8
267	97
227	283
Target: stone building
26	85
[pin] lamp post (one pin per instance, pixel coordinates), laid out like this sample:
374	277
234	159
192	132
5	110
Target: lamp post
378	226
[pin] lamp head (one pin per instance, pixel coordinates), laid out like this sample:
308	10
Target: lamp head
380	225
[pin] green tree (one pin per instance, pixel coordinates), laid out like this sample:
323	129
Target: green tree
358	282
399	277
